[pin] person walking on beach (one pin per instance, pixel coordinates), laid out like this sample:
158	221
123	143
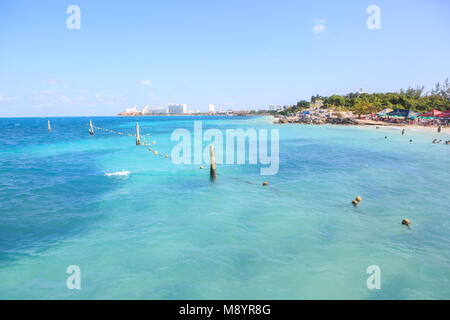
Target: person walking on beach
403	131
439	129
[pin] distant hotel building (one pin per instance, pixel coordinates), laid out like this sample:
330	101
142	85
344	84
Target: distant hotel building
211	108
177	108
131	110
147	110
274	107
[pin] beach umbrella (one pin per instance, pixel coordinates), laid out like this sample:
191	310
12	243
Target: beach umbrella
412	114
445	114
430	114
384	112
399	113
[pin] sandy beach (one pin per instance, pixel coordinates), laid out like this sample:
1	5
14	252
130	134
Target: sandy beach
429	129
366	123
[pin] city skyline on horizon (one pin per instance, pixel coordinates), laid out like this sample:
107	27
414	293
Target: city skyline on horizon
238	56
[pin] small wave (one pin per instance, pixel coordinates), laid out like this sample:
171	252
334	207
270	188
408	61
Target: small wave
118	173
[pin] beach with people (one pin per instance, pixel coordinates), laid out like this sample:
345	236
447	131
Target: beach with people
436	124
139	225
220	158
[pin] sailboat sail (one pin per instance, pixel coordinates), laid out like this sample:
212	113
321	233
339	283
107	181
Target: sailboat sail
91	130
49	128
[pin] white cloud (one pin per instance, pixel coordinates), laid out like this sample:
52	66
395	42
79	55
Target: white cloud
319	27
47	92
50	82
108	98
50	98
4	98
146	82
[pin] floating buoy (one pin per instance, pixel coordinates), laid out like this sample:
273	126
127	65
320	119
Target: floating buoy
153	142
406	222
155	152
202	167
357	200
265	184
167	156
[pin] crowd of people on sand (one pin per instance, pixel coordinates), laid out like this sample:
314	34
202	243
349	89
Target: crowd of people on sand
388	116
412	122
433	118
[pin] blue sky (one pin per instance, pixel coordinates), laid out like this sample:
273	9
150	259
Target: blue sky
241	54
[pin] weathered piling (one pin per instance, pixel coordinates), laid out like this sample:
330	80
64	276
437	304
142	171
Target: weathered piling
212	171
91	129
138	138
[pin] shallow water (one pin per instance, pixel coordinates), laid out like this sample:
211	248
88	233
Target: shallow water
164	231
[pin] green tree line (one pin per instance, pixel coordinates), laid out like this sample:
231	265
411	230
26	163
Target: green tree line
364	103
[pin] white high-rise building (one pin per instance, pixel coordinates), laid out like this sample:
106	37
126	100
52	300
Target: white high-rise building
274	107
211	108
131	110
177	108
147	110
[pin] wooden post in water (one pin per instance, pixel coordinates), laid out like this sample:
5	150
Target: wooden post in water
138	138
212	171
49	128
91	129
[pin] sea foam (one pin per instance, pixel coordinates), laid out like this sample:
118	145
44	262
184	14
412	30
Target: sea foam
118	173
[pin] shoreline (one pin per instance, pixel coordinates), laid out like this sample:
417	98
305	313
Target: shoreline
373	123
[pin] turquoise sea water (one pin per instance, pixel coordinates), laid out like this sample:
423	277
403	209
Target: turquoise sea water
166	232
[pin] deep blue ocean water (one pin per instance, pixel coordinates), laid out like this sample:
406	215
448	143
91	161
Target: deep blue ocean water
166	232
